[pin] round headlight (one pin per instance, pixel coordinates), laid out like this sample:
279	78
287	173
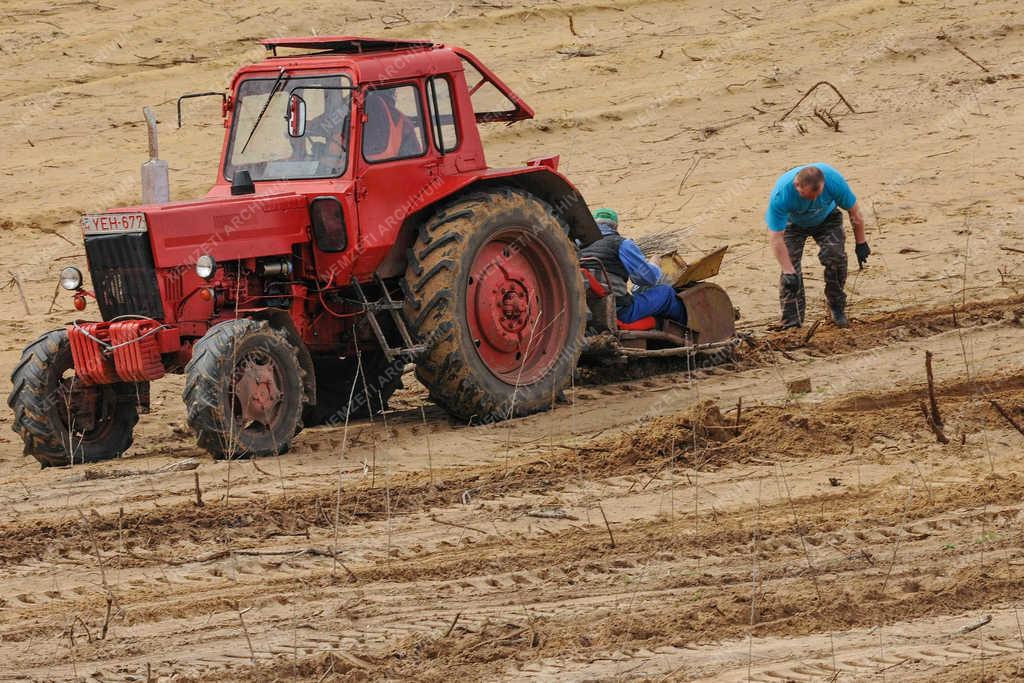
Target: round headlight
71	278
206	266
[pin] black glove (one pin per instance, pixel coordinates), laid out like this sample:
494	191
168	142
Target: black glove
791	282
863	251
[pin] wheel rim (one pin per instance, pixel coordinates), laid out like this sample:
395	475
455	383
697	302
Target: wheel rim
85	412
258	398
517	306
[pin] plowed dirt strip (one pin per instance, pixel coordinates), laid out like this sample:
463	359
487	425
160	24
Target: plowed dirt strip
673	577
408	439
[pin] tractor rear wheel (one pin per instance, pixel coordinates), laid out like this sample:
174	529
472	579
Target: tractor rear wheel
337	398
244	390
493	290
61	420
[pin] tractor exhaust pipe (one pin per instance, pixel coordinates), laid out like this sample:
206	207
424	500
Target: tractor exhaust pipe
156	184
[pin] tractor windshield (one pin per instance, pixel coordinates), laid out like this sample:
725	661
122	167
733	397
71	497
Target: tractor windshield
262	145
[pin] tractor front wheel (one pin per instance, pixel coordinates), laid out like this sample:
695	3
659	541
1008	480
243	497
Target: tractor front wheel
61	420
493	290
244	390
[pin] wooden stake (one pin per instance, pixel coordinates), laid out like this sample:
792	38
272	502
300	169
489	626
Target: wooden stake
199	492
937	430
936	418
452	627
426	435
607	525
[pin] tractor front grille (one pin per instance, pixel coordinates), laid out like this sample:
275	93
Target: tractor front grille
123	275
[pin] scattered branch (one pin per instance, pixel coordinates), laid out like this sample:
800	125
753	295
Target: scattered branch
975	61
810	332
16	281
241	619
437	519
813	88
689	172
972	627
452	627
1006	415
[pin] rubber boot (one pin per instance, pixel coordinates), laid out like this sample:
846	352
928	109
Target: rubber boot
839	317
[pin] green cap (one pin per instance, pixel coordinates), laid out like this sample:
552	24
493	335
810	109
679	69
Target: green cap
606	215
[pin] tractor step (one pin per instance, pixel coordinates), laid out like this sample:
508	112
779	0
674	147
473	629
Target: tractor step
409	348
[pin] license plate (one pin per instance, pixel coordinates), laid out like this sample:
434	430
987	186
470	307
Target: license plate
113	223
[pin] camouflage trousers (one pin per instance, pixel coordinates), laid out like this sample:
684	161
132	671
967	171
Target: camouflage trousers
831	253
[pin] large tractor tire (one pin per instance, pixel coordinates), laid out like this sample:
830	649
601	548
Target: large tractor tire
336	397
61	420
493	290
244	390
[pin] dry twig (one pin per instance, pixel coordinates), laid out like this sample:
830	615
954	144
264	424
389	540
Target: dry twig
975	61
1006	415
972	627
607	526
812	89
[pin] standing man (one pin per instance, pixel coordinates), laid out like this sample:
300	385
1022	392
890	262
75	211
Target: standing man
623	261
805	203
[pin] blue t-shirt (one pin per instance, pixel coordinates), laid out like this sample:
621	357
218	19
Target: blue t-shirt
787	206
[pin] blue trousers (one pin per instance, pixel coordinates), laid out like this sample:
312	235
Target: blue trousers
660	301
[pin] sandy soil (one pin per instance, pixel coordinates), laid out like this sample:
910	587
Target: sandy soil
647	529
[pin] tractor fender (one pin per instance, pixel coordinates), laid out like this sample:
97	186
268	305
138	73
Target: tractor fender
280	319
540	179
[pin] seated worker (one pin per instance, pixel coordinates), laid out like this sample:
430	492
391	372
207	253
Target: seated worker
623	260
388	133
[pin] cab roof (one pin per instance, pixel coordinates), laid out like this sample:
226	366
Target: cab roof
345	44
383	59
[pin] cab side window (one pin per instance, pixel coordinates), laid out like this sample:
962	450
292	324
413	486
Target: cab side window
441	109
394	127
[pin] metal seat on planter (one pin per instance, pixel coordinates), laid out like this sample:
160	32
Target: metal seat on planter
648	323
601	291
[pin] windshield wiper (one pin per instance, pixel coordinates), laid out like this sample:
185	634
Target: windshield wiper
263	111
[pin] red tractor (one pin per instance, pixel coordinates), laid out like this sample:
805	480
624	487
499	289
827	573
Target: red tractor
354	227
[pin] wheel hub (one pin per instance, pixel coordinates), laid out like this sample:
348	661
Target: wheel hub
514	306
503	309
259	391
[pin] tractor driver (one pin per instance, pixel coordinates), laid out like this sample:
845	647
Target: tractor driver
622	261
328	134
